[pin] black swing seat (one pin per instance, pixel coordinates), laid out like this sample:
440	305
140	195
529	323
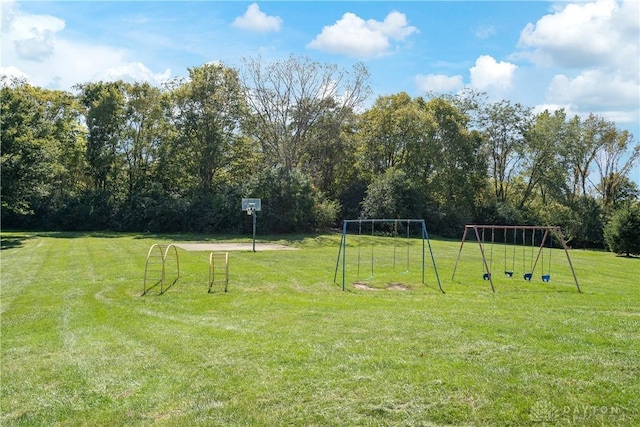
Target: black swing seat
508	273
527	276
486	276
546	277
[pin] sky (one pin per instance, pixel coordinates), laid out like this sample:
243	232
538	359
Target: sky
580	55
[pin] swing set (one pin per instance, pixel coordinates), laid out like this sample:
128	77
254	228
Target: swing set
544	235
385	245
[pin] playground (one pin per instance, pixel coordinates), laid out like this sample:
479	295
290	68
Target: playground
286	344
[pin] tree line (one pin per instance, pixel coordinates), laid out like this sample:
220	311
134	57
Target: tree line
296	133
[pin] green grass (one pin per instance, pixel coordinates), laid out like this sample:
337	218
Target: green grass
286	346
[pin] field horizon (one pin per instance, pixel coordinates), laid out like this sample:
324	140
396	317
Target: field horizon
287	346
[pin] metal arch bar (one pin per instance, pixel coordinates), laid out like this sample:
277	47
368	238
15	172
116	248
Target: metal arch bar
164	263
163	251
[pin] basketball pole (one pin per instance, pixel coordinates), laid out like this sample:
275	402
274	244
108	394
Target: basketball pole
254	231
252	206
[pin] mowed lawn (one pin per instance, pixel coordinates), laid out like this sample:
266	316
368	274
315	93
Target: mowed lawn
287	346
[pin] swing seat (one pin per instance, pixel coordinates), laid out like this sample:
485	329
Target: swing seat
546	277
508	273
486	276
527	276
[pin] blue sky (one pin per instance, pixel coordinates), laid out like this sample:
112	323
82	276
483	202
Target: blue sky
581	55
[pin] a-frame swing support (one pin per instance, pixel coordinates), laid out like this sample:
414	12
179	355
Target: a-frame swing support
342	250
477	229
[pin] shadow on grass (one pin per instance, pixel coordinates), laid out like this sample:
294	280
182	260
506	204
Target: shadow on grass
74	234
156	285
520	288
630	256
13	241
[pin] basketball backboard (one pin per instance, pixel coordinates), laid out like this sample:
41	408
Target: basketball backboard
253	204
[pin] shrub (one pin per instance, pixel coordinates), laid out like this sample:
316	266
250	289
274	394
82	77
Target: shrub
622	233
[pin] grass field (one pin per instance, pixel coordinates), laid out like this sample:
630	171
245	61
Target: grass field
286	346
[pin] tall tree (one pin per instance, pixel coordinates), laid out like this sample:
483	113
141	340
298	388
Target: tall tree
545	164
105	105
289	98
331	152
614	161
207	110
396	133
143	133
42	144
505	126
460	162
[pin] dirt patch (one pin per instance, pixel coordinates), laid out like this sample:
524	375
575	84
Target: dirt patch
392	286
364	287
223	247
398	287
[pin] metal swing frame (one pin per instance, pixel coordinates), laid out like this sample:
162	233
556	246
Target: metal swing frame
342	251
547	231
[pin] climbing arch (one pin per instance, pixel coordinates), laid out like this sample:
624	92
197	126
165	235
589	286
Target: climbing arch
160	258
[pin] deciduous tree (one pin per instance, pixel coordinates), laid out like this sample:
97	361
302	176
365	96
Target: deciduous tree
289	98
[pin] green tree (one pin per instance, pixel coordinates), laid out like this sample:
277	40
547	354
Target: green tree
545	164
395	133
458	160
331	153
105	116
391	195
106	107
622	233
142	134
505	126
207	111
289	98
27	158
287	200
145	130
614	161
586	143
42	144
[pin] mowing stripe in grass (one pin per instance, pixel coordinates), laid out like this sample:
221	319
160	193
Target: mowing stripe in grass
285	345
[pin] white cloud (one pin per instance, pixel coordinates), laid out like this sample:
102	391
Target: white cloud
394	26
36	46
569	109
439	83
14	72
596	42
353	36
595	89
134	72
616	116
593	34
485	31
487	73
256	20
32	35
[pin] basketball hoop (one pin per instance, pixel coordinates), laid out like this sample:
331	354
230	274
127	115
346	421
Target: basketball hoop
252	206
